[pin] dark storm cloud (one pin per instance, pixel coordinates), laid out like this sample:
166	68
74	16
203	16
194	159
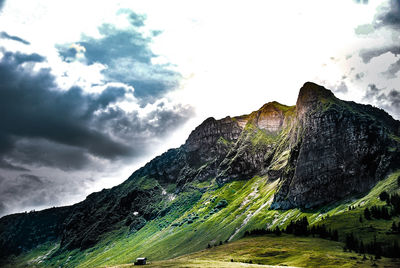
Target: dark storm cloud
41	152
158	122
22	58
128	57
29	191
108	96
2	209
389	15
8	166
45	126
5	35
31	107
19	58
21	185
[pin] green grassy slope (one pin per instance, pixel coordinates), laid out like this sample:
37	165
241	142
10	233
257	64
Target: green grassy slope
195	221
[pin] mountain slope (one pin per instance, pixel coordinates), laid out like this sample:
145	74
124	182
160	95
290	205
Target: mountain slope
162	238
230	176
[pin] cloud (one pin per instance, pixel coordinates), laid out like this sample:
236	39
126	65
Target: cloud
373	93
393	69
6	165
19	58
28	191
22	185
365	2
134	18
368	54
71	52
385	31
36	152
2	4
359	76
341	88
5	35
67	126
128	57
2	209
31	107
132	126
389	101
389	15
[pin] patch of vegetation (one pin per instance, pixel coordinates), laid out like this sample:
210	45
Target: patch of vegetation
224	142
299	228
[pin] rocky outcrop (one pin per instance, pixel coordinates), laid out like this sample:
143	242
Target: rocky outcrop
203	140
270	117
311	97
254	150
342	149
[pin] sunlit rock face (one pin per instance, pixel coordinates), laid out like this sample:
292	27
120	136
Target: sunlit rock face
270	118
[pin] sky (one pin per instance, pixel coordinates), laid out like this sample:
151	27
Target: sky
92	90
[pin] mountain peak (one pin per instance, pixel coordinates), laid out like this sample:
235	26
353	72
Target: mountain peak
274	105
310	95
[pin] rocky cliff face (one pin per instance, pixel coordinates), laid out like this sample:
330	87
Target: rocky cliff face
342	149
255	148
320	151
271	118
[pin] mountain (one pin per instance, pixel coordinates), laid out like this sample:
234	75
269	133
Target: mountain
232	175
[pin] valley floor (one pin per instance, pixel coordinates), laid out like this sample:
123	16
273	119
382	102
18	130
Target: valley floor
273	251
